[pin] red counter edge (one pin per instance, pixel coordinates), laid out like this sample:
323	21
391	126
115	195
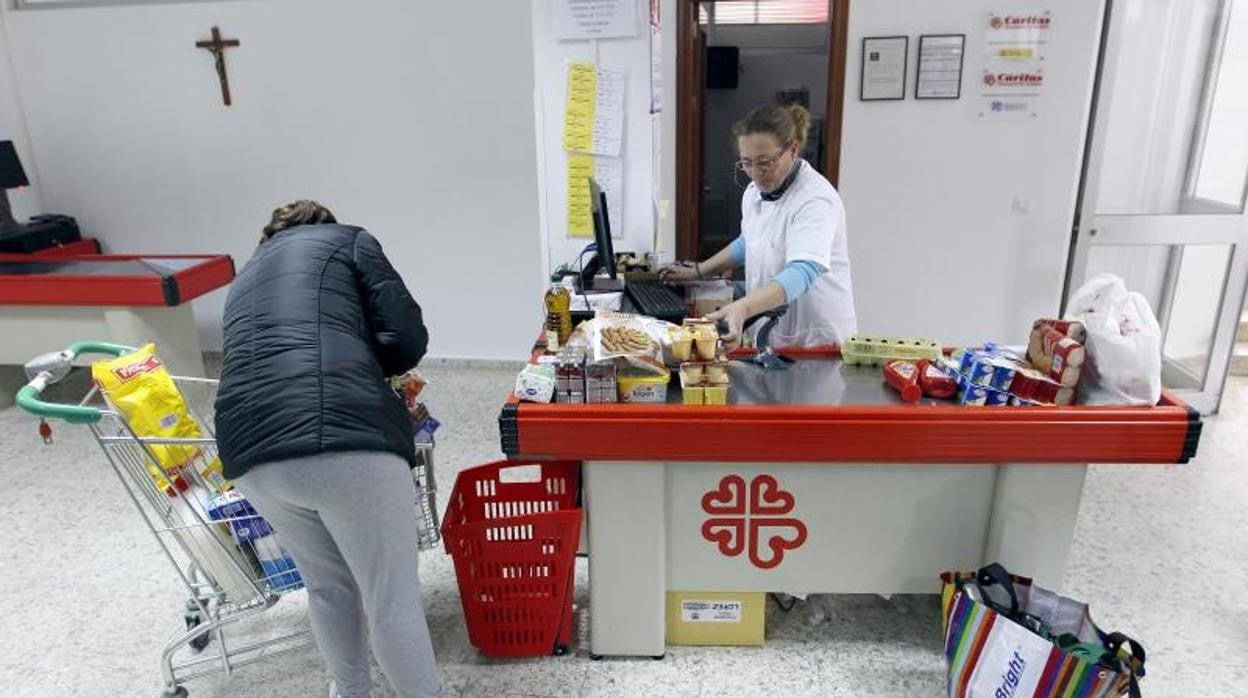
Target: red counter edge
138	291
1168	433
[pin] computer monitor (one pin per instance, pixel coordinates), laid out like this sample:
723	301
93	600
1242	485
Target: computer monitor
11	176
602	229
11	173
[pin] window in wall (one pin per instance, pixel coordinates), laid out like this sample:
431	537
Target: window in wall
1221	167
764	12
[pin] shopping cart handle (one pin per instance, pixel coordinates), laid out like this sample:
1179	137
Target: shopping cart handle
49	369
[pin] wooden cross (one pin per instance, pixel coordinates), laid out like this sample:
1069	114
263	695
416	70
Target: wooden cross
218	46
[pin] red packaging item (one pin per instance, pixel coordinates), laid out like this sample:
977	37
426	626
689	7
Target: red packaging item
1030	384
1071	328
1056	354
935	382
904	376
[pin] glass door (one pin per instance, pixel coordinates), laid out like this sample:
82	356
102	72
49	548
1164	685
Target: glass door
1162	202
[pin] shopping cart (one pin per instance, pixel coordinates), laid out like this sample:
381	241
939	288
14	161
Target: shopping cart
229	576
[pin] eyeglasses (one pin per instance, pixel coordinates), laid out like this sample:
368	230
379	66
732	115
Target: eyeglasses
760	164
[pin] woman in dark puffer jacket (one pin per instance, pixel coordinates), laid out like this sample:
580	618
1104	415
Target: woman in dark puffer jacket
310	431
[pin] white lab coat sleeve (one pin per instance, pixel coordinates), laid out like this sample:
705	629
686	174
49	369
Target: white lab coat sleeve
811	232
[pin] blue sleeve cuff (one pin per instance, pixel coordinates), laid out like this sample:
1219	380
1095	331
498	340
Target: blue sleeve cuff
737	250
797	277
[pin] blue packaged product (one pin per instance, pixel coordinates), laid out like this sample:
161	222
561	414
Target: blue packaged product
965	360
997	398
1003	374
245	523
279	568
970	394
982	370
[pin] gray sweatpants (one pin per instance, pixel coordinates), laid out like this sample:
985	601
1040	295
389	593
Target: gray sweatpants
349	521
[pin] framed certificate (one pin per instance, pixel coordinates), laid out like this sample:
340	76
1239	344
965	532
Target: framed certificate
883	68
940	66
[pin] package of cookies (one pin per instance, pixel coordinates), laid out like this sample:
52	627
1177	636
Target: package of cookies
635	340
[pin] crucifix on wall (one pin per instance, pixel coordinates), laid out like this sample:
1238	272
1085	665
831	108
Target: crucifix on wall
217	47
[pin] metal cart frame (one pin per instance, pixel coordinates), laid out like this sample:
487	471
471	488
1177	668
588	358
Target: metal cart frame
220	570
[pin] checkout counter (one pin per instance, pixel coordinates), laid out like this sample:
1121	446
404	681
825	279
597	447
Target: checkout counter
818	479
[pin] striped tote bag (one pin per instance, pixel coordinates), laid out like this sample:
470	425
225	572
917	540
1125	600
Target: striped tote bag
1008	638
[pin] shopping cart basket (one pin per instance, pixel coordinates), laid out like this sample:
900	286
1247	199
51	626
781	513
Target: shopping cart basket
229	577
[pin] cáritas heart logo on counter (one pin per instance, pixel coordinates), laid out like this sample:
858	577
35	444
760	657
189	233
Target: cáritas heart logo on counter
752	518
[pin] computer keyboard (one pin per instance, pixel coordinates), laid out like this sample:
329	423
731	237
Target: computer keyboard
657	299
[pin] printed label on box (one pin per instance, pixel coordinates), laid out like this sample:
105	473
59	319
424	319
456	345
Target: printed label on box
693	611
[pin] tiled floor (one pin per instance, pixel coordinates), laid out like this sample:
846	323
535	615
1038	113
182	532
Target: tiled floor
87	600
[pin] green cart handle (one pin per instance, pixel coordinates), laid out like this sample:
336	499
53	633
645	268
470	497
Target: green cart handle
54	368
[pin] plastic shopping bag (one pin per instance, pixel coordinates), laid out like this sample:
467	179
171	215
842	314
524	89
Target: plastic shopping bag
1124	343
1006	637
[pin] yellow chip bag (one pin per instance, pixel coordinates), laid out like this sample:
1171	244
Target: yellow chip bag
139	387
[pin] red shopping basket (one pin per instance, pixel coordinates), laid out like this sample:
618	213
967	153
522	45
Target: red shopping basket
513	528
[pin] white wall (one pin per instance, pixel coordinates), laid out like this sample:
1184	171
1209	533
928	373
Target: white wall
25	201
959	225
550	59
406	118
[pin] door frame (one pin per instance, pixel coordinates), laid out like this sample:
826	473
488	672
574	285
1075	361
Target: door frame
1091	229
689	112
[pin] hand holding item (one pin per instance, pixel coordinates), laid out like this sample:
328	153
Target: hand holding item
734	316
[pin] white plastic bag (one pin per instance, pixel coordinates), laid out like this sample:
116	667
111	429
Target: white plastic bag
1124	343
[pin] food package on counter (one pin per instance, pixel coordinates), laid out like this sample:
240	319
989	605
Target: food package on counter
680	344
704	383
997	398
1071	328
1056	354
705	338
904	376
633	340
970	394
938	379
141	389
536	383
570	375
600	382
1031	384
642	386
877	351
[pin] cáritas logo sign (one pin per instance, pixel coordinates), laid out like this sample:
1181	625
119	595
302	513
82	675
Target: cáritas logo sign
1028	21
1012	677
756	518
129	371
1014	79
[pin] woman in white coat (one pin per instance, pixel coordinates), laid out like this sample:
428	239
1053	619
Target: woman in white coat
792	239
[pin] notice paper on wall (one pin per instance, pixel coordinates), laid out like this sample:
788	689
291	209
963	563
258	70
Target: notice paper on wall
609	173
1013	79
594	19
593	110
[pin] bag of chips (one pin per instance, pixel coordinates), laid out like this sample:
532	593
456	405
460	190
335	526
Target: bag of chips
141	389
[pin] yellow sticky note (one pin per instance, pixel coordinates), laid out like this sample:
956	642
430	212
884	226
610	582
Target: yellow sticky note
580	209
578	118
